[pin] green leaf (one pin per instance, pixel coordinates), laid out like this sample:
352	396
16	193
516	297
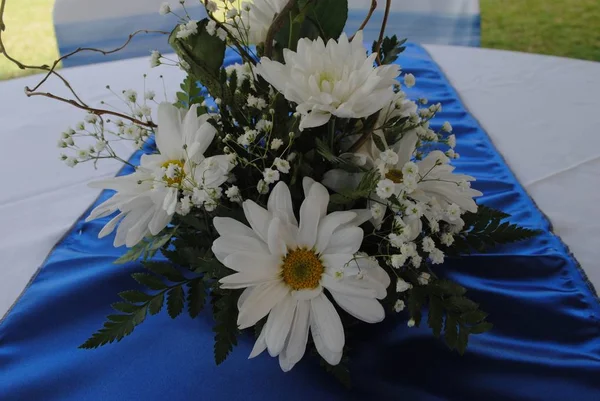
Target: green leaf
473	317
451	331
462	304
225	314
449	287
175	301
435	318
133	254
134	296
463	340
416	299
166	270
115	328
204	53
329	17
340	371
481	328
156	304
125	307
196	297
150	281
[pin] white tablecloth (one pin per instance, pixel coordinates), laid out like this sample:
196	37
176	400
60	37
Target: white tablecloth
541	112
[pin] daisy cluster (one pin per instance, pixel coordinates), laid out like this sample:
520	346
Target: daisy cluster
304	172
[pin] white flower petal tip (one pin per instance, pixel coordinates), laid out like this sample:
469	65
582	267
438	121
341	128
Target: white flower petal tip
284	265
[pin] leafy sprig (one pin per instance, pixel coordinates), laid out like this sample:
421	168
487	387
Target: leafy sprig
169	283
486	229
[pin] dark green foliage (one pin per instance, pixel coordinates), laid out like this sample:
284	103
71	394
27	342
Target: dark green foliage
204	53
190	94
448	308
137	304
390	49
146	248
340	371
485	230
226	331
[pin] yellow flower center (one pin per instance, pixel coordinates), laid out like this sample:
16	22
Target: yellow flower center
179	174
302	269
394	175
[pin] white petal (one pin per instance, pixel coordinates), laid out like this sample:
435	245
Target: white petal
366	309
328	225
307	184
159	221
347	287
259	346
277	238
260	302
280	203
339	180
278	325
307	294
248	262
345	240
362	215
247	279
296	344
315	118
258	218
312	210
326	323
226	226
226	245
110	226
168	135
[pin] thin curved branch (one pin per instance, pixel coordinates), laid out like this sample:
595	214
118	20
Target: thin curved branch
367	18
388	4
276	26
98	112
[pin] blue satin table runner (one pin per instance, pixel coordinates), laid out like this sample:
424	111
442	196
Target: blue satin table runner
545	344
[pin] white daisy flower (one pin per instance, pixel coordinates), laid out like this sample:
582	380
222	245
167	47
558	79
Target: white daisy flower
427	181
286	265
335	79
147	199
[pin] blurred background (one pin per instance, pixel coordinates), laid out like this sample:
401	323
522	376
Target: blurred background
567	28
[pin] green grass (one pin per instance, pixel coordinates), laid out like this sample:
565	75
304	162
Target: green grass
568	28
29	35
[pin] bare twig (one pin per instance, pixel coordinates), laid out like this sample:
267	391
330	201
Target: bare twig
276	26
367	18
388	4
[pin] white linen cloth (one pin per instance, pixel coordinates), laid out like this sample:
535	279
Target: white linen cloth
106	24
541	113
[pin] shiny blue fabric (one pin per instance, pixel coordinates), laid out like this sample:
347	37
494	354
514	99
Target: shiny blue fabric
545	344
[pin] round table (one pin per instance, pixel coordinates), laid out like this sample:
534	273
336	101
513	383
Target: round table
541	113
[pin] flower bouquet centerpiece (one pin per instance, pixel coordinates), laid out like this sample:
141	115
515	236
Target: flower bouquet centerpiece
296	194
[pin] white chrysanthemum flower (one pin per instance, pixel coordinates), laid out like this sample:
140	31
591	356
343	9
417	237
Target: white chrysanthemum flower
409	80
285	265
335	79
255	19
147	199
